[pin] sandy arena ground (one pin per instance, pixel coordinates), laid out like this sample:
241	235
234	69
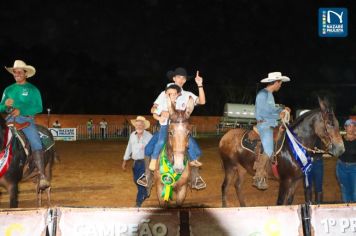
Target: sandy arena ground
89	174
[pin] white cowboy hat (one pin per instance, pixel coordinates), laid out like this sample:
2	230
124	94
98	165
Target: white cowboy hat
274	76
18	64
141	118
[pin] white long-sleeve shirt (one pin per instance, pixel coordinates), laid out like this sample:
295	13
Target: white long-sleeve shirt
136	146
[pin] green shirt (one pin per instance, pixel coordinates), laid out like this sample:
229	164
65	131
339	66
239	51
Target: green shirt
27	98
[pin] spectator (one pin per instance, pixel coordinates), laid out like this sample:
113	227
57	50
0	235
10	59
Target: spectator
346	165
56	124
90	126
315	177
135	150
103	128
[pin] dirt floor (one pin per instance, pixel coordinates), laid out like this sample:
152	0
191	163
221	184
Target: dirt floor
89	174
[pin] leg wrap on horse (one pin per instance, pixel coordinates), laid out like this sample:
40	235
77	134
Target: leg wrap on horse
38	157
196	180
260	178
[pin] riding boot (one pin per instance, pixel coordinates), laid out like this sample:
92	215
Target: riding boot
319	198
38	157
260	178
146	179
196	181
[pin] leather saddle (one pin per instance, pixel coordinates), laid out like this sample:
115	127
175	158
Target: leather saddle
251	140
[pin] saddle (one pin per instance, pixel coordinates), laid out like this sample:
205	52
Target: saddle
251	140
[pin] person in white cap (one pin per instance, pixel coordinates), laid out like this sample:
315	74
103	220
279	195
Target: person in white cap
22	100
267	114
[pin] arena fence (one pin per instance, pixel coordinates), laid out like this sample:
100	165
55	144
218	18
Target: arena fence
338	219
113	132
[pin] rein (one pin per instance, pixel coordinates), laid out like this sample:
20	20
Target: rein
285	121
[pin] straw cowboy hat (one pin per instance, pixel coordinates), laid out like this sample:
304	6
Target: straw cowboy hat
274	76
18	64
178	71
141	118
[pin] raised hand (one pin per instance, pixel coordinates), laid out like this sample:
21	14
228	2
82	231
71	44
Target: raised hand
198	79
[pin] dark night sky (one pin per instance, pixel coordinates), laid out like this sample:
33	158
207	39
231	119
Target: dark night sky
111	57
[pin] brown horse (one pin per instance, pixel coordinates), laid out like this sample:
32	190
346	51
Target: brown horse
179	131
22	168
319	123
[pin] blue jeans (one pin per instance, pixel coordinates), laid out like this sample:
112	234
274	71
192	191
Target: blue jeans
30	131
315	176
266	134
162	137
138	170
194	150
346	174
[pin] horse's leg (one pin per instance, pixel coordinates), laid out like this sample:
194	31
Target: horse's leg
238	185
284	186
181	193
48	196
13	193
229	174
291	192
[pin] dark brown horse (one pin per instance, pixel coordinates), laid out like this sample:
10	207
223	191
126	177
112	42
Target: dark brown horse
319	123
22	168
176	146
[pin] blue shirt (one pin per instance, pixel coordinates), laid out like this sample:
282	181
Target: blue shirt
266	109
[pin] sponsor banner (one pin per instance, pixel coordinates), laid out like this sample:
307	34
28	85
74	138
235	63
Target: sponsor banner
333	219
249	221
109	221
28	222
65	134
333	22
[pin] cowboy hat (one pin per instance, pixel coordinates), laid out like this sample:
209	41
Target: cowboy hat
141	118
18	64
178	71
274	76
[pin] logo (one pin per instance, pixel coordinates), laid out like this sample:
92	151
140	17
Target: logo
332	22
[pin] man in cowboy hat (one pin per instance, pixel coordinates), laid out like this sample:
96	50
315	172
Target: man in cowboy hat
179	77
135	150
22	100
267	114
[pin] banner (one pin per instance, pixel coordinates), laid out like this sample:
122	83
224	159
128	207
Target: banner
333	219
109	221
283	220
65	134
24	222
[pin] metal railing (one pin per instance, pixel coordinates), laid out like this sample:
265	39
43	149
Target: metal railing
113	132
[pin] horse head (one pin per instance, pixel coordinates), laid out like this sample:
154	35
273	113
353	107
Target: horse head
327	129
178	134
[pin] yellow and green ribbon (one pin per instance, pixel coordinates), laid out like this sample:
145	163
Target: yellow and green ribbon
168	175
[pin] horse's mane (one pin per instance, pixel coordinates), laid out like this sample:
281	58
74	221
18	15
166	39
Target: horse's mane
301	118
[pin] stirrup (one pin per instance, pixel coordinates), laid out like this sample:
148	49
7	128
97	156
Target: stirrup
43	183
195	163
141	181
199	183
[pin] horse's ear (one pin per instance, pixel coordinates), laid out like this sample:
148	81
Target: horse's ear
190	107
322	104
